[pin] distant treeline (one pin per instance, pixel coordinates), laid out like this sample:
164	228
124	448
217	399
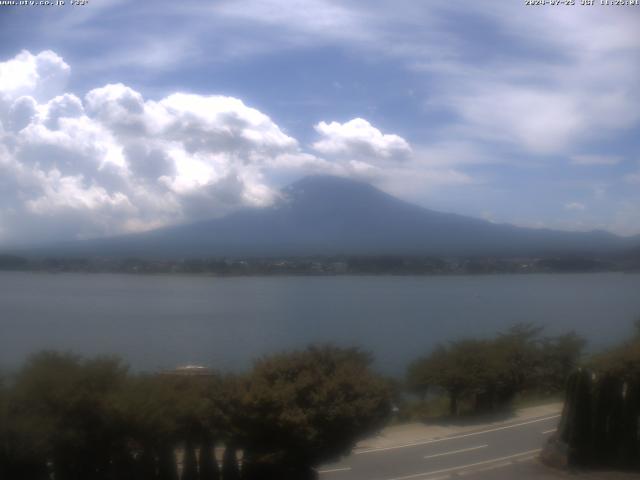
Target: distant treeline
349	265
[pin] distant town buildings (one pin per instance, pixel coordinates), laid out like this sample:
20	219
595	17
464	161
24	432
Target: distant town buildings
189	371
347	265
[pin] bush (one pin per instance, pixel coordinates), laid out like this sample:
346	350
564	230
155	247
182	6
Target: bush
73	418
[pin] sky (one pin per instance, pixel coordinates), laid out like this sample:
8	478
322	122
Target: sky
123	116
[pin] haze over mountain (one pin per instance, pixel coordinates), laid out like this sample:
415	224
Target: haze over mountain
324	215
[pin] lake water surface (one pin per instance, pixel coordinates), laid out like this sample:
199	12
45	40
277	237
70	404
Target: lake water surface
162	321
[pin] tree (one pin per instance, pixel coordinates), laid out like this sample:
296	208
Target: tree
519	349
66	402
163	412
463	369
423	374
175	410
559	357
307	407
22	454
489	373
622	360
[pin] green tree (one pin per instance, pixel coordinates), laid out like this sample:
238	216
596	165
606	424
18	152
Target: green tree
487	374
465	369
519	351
423	374
22	453
559	357
170	411
622	360
307	407
148	407
67	403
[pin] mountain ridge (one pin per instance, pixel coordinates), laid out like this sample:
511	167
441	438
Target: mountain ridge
325	215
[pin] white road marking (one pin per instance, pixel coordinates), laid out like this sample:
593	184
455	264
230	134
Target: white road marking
483	469
469	465
332	470
525	459
456	451
549	431
455	437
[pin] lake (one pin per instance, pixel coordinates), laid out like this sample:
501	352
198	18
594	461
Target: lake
157	322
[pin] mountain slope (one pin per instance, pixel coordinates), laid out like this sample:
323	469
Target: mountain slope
329	215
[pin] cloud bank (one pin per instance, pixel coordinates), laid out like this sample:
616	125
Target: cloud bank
527	108
114	162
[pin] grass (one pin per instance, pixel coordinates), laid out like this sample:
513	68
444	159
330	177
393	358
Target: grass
436	408
527	400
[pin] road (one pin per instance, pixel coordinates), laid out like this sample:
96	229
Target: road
493	452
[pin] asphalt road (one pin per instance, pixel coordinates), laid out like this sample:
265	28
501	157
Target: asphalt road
495	452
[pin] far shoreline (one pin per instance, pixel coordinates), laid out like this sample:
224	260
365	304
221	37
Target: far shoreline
317	275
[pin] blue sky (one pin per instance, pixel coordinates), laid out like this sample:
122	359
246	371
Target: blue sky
123	116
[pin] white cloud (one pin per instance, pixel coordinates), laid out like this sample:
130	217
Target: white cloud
357	139
116	105
539	121
496	87
25	80
548	105
62	192
358	149
19	113
116	162
505	81
217	123
62	106
39	76
299	22
543	94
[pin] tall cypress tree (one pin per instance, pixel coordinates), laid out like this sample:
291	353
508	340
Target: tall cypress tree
580	436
